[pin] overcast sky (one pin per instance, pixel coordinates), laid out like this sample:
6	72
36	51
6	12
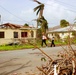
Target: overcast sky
21	11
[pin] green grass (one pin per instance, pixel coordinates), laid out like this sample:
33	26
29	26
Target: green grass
15	47
59	43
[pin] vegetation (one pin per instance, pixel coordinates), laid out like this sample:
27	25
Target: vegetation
43	24
15	47
64	23
41	21
39	8
26	24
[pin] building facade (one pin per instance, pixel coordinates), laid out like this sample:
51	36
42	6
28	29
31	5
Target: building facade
62	33
16	33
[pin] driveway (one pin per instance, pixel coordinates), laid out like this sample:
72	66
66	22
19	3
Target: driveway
21	62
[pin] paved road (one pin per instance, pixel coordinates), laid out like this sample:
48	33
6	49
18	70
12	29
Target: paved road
24	61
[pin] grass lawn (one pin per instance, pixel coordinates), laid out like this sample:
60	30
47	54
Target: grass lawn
27	46
15	47
18	47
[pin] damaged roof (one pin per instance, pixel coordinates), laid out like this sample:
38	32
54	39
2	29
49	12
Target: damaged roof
10	25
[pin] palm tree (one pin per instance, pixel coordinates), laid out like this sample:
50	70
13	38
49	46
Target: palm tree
39	8
41	21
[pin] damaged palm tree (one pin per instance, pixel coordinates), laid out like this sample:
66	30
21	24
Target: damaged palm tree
39	8
41	21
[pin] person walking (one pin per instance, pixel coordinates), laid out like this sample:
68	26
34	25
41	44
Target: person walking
44	39
52	42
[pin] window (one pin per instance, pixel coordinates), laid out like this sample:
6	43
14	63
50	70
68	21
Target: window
23	34
1	34
15	34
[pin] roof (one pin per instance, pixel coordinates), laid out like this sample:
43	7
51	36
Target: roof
29	28
10	25
16	26
54	28
65	29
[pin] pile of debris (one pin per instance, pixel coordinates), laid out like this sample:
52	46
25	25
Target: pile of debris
64	65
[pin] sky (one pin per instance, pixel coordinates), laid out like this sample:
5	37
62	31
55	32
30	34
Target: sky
21	11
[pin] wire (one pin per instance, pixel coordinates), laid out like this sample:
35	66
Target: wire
65	3
64	6
61	5
45	4
12	13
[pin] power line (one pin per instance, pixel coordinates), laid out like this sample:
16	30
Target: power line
64	3
44	3
12	13
64	8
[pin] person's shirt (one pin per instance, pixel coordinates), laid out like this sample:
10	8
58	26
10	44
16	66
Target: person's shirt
53	38
44	37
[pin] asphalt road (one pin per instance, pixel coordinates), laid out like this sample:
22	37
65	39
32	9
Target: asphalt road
21	62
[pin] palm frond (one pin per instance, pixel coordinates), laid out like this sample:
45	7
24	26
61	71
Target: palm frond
38	11
37	1
36	8
40	6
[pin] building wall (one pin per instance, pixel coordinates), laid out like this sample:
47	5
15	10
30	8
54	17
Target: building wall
61	35
65	35
9	35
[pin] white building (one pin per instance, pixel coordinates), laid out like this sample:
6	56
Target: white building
62	32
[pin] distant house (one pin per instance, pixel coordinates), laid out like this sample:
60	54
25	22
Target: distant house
13	32
62	32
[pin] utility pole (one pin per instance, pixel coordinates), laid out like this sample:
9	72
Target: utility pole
0	19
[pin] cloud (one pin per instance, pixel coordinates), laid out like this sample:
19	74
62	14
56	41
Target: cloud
54	12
